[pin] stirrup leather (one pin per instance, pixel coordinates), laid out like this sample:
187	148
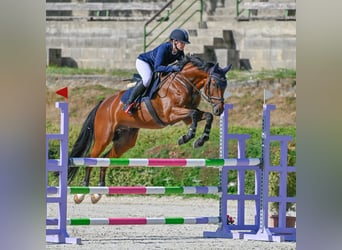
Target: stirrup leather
128	109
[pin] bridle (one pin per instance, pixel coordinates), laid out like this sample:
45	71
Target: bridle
221	82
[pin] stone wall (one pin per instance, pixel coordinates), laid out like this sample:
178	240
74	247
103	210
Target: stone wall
105	45
267	44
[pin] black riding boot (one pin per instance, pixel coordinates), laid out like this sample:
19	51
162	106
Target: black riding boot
137	91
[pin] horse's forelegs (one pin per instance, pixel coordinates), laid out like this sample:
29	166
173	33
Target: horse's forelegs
96	197
185	138
192	130
205	136
78	198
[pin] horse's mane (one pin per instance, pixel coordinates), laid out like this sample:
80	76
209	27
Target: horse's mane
196	61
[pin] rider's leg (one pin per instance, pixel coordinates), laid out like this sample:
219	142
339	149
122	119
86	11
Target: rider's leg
145	71
137	91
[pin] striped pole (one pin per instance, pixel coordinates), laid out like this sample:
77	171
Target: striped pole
137	221
162	162
139	190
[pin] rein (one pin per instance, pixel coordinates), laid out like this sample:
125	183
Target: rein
193	86
205	97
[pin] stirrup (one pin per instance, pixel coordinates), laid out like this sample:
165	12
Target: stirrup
128	109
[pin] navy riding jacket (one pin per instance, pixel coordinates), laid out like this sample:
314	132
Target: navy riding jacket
160	57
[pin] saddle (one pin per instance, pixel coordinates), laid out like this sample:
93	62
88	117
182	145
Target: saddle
148	93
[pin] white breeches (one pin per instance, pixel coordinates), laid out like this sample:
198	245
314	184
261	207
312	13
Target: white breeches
144	71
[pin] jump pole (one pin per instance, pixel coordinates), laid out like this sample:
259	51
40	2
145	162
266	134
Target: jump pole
223	231
139	190
139	221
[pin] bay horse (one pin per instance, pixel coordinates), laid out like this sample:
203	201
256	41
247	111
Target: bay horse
176	100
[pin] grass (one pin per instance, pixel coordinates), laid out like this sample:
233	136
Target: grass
263	74
278	73
54	70
237	75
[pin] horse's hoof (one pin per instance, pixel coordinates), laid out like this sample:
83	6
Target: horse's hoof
198	143
95	198
78	198
181	140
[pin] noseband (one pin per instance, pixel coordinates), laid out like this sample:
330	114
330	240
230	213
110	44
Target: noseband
220	81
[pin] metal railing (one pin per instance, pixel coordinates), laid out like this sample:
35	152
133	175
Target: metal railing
171	16
248	6
237	5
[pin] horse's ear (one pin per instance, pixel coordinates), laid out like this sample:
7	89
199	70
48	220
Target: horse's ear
214	68
226	69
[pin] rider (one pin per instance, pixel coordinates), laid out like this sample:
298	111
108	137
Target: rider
158	60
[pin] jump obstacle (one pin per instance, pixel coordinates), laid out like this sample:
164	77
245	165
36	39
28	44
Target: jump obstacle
259	230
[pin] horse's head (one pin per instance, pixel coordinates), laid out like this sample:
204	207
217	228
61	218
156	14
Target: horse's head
215	87
209	76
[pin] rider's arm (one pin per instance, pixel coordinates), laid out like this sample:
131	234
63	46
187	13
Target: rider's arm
161	54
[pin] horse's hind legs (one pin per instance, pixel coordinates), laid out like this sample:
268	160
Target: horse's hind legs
96	197
205	136
78	198
123	140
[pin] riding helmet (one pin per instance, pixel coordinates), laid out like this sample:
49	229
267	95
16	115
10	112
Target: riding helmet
180	35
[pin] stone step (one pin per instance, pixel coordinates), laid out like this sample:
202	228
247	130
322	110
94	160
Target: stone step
96	10
117	44
222	13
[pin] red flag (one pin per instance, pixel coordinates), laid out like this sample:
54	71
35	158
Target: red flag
63	92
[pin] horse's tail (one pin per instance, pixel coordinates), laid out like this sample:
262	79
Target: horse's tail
83	142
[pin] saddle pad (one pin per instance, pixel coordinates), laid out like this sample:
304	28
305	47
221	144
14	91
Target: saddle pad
147	94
